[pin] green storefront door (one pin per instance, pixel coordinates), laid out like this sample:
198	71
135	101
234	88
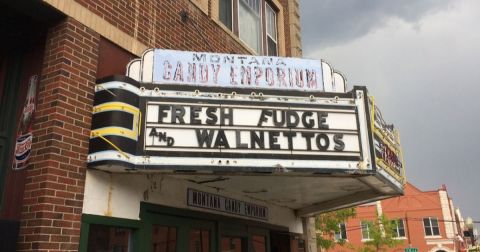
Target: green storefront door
172	233
164	229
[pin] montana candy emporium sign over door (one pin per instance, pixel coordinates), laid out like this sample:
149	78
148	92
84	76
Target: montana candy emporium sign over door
149	126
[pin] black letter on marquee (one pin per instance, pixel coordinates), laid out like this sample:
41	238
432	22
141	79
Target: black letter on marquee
228	116
255	139
290	135
308	137
310	122
170	141
322	147
194	110
322	118
177	113
263	119
239	140
272	139
162	136
282	117
290	123
205	136
153	132
221	140
162	113
212	117
339	144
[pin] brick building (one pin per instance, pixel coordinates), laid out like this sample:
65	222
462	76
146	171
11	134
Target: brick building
54	202
427	221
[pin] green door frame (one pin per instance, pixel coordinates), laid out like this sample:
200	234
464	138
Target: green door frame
88	219
183	226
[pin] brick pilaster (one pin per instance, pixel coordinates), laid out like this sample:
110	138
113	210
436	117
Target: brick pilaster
52	204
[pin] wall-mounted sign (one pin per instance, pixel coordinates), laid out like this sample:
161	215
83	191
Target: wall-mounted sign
202	69
224	204
23	145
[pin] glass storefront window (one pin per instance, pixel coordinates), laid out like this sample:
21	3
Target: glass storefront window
297	245
199	240
259	243
231	244
164	239
109	239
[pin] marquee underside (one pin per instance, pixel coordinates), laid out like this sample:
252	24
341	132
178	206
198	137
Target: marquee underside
308	194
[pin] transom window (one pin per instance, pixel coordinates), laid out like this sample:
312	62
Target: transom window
253	21
431	226
398	228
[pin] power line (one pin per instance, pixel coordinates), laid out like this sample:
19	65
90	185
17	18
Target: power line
352	228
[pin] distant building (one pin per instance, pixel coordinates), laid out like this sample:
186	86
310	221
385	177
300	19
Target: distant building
427	221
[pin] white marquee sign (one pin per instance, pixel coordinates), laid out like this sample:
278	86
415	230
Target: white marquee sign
166	67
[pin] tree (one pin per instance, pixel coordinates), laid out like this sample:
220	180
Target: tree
327	224
382	235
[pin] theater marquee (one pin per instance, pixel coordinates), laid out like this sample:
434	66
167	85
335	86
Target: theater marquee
278	130
171	129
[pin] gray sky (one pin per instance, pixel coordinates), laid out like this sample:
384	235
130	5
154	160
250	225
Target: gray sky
420	59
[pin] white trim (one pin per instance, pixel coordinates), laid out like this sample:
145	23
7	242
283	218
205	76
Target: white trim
448	224
432	237
200	162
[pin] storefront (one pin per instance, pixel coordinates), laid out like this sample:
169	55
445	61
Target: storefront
185	150
172	229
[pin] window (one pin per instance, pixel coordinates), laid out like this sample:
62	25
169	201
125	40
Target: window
199	240
398	228
259	243
164	239
225	9
342	232
431	226
230	244
271	24
253	21
108	238
365	230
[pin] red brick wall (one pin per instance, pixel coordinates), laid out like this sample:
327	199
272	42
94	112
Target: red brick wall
412	207
160	26
53	199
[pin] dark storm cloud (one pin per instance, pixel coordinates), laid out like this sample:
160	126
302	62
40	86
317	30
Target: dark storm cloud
424	77
329	22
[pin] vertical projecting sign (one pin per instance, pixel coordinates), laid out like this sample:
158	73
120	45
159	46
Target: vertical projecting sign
386	138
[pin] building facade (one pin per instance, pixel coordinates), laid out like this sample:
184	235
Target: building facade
57	60
426	221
